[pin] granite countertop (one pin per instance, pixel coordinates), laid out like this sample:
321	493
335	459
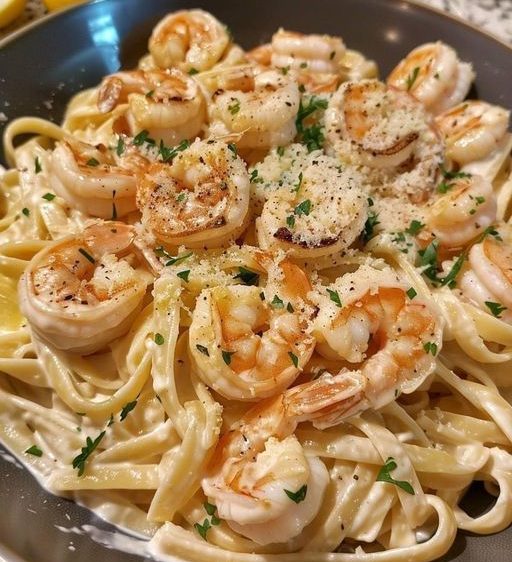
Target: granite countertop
493	15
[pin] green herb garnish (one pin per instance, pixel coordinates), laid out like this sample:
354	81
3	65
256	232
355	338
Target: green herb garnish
299	495
335	297
385	476
247	276
495	307
80	460
34	450
226	356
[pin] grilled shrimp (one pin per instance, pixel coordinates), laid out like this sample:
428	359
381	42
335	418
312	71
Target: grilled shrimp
318	53
321	211
487	282
249	342
90	178
202	198
466	209
257	467
189	39
168	104
387	131
262	117
434	75
472	130
370	317
83	291
355	66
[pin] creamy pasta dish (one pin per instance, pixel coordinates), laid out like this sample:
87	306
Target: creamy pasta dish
256	305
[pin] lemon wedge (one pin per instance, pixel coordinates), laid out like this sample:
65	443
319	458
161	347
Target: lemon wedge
10	10
53	5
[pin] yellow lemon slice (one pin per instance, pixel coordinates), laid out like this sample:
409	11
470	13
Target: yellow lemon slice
10	10
53	5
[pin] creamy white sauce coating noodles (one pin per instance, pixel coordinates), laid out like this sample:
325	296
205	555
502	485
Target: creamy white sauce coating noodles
257	305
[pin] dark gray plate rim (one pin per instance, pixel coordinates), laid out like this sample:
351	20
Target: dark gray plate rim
414	4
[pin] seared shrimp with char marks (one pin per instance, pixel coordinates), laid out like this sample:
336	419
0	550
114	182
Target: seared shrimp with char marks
250	342
168	104
387	131
202	198
93	180
487	279
262	117
321	212
434	75
369	317
462	213
83	291
189	39
472	130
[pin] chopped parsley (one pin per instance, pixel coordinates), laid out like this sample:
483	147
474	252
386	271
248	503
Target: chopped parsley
303	208
25	211
169	153
454	271
290	221
127	408
90	444
34	450
411	293
184	275
247	276
159	339
449	175
209	508
37	165
202	529
428	259
255	178
385	476
412	77
93	162
294	358
335	297
280	150
414	228
299	495
120	146
233	148
49	196
276	302
495	307
143	137
193	71
311	136
430	347
202	349
226	357
289	307
150	93
234	107
298	185
86	255
171	260
369	226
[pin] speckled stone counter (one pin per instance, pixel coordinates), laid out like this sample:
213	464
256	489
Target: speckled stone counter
494	16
